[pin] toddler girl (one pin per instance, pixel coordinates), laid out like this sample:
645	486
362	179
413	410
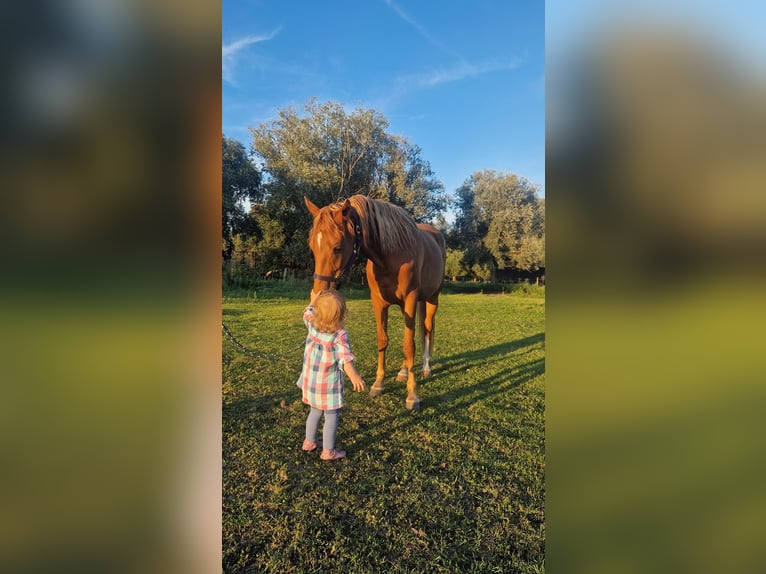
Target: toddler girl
326	357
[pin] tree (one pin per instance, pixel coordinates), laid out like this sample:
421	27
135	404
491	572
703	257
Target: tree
410	182
453	266
468	231
514	217
483	271
241	181
328	153
500	223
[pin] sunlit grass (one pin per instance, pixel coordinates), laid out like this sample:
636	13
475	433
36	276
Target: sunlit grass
456	487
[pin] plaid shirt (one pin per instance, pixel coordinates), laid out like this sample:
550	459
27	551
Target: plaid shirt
322	376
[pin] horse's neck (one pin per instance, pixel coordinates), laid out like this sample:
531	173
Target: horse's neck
373	255
370	251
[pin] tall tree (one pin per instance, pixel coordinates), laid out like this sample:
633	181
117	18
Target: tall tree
410	182
328	153
468	230
241	181
500	216
453	266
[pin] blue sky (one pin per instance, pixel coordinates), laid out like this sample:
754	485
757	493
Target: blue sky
462	79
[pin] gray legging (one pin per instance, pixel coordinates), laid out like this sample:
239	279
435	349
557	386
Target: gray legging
330	426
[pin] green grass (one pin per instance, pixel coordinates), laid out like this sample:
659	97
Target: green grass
456	487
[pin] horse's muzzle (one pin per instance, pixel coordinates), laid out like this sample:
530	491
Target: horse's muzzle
332	282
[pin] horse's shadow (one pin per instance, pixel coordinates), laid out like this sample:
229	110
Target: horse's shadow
446	405
468	359
453	402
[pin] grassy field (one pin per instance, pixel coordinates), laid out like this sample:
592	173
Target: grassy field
455	487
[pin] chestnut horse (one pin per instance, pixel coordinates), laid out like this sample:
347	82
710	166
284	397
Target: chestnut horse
405	267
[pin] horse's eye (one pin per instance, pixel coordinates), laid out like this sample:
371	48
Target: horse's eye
338	249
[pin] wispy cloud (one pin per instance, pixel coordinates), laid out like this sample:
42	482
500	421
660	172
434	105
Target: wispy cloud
387	98
406	84
456	73
422	31
460	69
231	51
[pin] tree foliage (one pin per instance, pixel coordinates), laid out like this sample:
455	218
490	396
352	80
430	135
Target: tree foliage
241	181
453	266
500	223
328	153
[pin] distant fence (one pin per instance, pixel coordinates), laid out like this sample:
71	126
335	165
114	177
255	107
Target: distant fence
237	274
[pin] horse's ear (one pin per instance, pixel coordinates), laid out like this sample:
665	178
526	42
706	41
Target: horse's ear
313	209
341	214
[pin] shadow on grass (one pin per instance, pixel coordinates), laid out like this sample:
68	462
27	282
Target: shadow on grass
270	407
232	312
261	404
467	359
455	401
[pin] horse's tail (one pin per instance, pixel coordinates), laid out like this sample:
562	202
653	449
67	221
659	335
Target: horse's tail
421	324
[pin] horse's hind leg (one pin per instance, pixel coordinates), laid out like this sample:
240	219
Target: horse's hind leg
402	374
428	339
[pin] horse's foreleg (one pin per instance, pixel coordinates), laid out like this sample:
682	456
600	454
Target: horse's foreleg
408	346
401	376
381	319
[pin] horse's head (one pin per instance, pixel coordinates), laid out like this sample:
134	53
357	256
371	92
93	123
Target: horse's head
335	240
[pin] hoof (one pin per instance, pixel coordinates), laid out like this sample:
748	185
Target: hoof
412	405
376	391
426	373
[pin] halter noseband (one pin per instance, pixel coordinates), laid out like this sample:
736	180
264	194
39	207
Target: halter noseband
354	254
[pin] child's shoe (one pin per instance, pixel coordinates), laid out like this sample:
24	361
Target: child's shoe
308	446
332	454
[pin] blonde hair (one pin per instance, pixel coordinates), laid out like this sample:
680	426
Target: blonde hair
329	311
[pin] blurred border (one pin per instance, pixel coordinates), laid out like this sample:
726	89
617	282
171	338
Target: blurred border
110	295
656	193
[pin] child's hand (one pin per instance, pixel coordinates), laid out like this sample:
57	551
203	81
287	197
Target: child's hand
358	383
352	373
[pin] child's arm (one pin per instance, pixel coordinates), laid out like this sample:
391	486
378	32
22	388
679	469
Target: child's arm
308	312
356	380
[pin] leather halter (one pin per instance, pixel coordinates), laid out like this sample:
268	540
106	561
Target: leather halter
354	254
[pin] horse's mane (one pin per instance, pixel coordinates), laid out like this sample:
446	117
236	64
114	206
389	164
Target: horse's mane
386	226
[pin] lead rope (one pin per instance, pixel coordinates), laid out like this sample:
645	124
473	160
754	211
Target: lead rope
254	354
